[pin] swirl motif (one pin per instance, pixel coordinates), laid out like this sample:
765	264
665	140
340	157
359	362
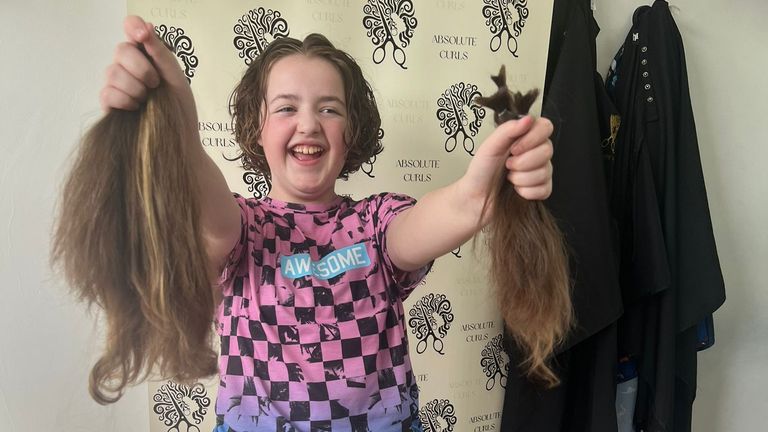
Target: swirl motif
423	322
385	21
176	404
494	364
522	14
455	120
255	30
258	184
438	415
503	21
367	167
181	45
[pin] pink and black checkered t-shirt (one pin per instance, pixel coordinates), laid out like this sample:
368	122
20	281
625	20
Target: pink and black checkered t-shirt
312	324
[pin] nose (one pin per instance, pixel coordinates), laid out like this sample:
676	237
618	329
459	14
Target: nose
307	122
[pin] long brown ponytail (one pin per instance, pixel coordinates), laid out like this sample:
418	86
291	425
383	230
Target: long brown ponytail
128	240
528	258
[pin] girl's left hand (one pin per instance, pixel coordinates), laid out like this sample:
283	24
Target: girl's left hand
524	147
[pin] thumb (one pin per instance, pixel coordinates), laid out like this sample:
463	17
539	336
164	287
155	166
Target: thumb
143	34
500	141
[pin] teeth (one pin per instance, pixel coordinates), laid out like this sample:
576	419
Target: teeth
307	150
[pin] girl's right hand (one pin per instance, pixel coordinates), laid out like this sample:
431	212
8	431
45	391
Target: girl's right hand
133	73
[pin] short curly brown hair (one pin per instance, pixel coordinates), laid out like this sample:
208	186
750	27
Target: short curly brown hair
363	119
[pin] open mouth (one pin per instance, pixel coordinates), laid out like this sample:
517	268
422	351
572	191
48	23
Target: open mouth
307	152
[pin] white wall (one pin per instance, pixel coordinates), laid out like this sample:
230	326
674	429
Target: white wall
52	54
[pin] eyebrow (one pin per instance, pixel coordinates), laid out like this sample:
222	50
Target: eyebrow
293	97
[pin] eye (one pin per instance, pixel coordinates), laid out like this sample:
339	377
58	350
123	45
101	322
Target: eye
285	109
331	110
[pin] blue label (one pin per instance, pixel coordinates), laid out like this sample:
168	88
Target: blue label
333	264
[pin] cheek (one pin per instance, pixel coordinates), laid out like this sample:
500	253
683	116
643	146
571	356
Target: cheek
343	133
273	135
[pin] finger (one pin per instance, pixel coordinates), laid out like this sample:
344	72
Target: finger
135	29
531	160
535	193
132	60
514	129
111	97
539	132
533	178
163	58
118	77
497	144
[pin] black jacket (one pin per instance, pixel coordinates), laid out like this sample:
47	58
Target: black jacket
669	269
585	401
657	190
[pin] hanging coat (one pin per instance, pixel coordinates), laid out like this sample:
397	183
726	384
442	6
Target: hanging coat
585	399
669	270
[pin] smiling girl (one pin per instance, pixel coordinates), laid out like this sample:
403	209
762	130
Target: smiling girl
311	284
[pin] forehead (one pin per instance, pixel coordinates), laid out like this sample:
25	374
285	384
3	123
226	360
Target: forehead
301	74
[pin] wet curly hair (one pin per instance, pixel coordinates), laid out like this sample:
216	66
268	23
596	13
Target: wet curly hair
363	119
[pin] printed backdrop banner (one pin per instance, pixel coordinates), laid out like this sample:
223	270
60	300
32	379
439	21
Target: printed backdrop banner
426	61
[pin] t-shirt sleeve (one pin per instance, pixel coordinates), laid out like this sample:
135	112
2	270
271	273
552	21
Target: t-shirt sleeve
388	206
235	257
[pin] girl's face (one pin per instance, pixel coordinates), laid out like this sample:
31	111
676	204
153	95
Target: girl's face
304	129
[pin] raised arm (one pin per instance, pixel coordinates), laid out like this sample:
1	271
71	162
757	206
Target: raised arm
128	79
447	217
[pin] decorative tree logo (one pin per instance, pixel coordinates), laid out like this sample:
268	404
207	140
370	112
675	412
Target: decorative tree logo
386	20
438	416
258	184
495	363
177	404
367	167
181	45
505	18
455	107
423	322
257	29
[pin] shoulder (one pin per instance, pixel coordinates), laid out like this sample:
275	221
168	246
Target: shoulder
248	204
388	199
380	203
383	207
253	211
249	201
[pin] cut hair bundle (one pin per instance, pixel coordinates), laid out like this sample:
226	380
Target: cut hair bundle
528	258
128	240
